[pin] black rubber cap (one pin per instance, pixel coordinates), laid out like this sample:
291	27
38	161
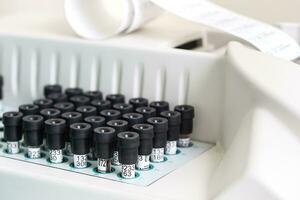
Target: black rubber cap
95	121
12	122
33	130
81	138
160	106
70	92
43	103
93	95
160	127
64	106
71	118
49	89
138	102
119	126
80	100
187	115
55	133
101	104
105	139
123	107
87	111
128	144
174	121
133	118
147	112
50	113
110	114
29	109
146	134
58	97
115	98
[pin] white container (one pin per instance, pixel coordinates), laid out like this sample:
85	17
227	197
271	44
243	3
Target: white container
245	101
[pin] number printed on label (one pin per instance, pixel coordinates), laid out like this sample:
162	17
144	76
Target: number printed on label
81	161
128	171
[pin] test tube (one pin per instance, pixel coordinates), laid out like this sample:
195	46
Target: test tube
105	139
186	129
55	137
81	137
160	127
174	121
12	131
128	144
146	134
33	135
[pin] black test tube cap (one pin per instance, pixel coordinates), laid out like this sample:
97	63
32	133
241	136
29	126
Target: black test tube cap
64	106
80	100
138	102
174	122
119	125
50	113
110	114
29	109
12	122
115	98
43	103
58	97
49	89
105	139
101	104
55	133
71	118
95	121
123	107
33	130
93	94
187	115
147	112
146	134
160	106
81	137
160	128
87	110
133	118
128	144
70	92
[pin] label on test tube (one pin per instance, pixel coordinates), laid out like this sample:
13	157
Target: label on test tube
157	155
128	171
143	162
104	165
184	142
34	152
56	156
115	160
80	161
13	147
171	147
